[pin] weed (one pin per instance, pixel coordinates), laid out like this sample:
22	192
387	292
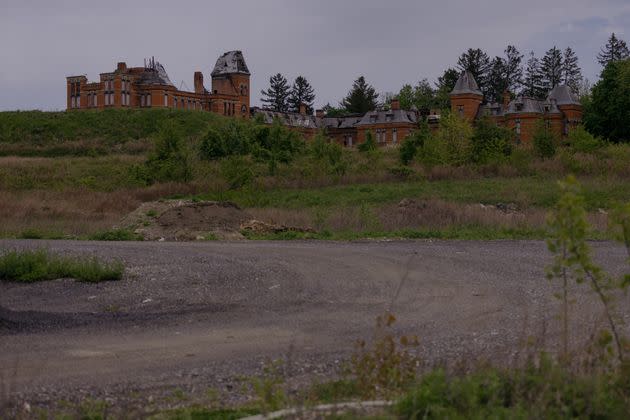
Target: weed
39	265
115	235
269	387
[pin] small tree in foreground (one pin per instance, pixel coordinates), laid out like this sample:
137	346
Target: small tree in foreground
572	261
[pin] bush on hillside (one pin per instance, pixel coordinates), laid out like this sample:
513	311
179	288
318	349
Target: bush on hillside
455	135
413	142
328	154
490	143
544	140
582	141
171	160
369	145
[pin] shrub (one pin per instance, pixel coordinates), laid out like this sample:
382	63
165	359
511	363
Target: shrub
369	145
237	171
544	140
115	235
582	141
455	134
490	143
328	154
171	159
31	266
409	147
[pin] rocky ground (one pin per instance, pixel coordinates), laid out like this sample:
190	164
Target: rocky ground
192	321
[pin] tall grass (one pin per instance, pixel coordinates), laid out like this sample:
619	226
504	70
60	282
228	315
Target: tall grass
41	265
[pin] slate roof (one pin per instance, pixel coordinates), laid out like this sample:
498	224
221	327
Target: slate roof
466	84
155	76
525	105
231	62
384	117
563	95
288	118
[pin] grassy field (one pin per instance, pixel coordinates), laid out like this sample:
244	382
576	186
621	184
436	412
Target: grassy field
77	174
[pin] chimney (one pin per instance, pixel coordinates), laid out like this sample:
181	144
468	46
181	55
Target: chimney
199	82
507	97
395	104
320	113
303	108
122	66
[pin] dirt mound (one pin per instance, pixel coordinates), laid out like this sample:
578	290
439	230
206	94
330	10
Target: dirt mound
185	220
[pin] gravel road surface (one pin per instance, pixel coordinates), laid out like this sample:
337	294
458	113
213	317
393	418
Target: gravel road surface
199	315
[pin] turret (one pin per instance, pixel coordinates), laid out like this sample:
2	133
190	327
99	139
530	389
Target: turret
231	77
466	97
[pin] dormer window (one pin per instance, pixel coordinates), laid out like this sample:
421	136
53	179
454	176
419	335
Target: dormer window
389	117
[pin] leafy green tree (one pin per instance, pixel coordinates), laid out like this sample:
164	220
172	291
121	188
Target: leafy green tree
455	134
571	72
490	143
615	50
533	85
361	98
552	68
332	111
422	96
301	93
415	141
237	171
276	96
607	113
582	141
369	145
171	159
477	62
544	140
572	259
328	154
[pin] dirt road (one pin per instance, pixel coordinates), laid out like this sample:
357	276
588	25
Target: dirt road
201	314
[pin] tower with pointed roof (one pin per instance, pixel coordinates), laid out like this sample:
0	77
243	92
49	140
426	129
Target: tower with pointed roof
230	79
466	98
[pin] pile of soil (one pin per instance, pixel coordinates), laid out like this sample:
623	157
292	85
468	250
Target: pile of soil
185	220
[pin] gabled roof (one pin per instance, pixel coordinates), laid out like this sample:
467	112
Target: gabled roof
466	84
231	62
385	117
563	95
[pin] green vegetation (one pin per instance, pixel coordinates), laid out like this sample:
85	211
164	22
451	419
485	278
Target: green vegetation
40	265
115	235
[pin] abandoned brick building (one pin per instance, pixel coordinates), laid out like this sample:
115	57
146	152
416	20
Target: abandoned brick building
561	111
150	87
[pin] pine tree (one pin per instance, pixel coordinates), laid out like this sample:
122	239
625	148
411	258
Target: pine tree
276	96
571	72
551	69
497	80
445	85
533	81
513	68
362	97
615	50
301	93
478	64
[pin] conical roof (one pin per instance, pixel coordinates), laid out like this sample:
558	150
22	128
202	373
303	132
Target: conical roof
563	95
466	84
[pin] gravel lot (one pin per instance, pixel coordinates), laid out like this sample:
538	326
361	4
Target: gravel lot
200	315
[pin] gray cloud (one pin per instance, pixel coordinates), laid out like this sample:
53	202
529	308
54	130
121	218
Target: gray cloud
329	42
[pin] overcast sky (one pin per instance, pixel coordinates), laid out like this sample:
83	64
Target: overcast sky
330	42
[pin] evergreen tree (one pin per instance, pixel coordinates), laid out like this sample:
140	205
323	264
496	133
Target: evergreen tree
533	81
361	98
445	85
551	69
276	96
513	68
571	72
478	64
497	80
615	50
301	93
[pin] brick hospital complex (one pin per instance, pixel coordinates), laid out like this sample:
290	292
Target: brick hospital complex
150	87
